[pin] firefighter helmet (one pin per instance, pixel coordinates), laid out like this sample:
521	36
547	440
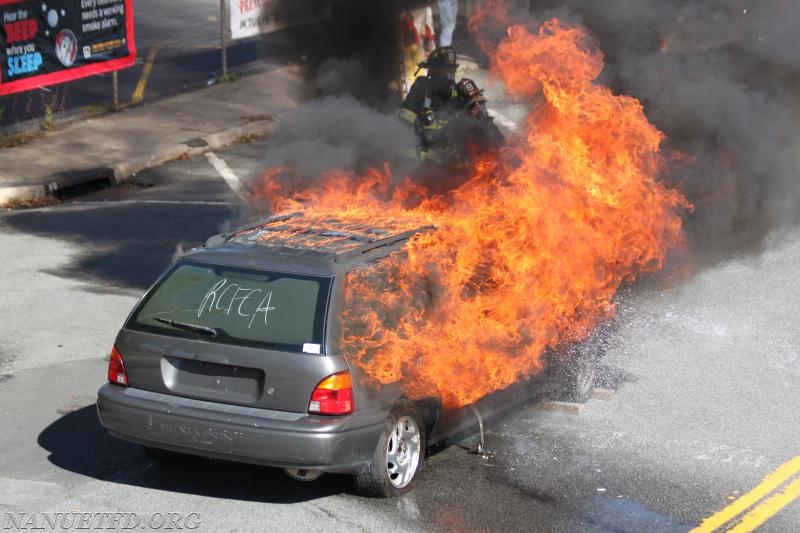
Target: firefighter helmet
469	93
442	57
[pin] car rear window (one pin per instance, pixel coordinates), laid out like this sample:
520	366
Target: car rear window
239	306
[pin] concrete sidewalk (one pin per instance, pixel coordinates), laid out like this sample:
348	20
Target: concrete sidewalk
115	146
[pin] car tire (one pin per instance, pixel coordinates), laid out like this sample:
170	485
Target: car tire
167	457
398	458
577	379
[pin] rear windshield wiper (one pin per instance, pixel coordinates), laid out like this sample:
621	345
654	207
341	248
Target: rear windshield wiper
188	327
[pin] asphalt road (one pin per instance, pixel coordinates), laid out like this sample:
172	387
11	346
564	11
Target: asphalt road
705	375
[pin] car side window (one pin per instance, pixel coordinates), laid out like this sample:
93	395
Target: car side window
381	301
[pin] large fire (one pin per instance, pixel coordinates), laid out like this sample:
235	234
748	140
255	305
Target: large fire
529	250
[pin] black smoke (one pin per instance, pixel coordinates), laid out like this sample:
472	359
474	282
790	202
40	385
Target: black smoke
338	133
357	51
722	79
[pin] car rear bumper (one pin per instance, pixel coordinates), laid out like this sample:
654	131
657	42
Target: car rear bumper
260	436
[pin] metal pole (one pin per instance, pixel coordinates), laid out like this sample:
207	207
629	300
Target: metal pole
223	36
481	448
115	89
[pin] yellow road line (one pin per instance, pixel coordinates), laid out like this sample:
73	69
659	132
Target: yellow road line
766	510
770	483
138	94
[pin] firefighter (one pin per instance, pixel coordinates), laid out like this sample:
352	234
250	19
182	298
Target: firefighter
478	127
447	115
431	99
472	98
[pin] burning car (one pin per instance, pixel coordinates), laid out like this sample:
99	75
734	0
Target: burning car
238	352
387	317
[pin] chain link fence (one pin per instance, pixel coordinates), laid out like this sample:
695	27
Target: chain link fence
181	45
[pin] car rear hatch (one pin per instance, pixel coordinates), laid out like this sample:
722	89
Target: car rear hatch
231	335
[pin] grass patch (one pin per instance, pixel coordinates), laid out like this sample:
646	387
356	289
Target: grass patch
95	110
228	78
48	117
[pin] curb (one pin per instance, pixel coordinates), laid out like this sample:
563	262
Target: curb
21	193
121	172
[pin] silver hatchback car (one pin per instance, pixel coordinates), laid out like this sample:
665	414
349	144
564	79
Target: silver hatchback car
235	354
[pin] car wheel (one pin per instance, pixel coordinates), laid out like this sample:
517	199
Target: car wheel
398	457
577	379
167	457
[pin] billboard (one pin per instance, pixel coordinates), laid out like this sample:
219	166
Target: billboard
253	17
44	42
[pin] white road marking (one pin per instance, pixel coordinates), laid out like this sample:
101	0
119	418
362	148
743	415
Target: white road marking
227	174
168	202
105	203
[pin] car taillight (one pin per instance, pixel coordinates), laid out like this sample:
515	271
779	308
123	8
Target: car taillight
116	370
333	396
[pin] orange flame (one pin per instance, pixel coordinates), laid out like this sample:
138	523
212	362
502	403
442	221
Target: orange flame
528	252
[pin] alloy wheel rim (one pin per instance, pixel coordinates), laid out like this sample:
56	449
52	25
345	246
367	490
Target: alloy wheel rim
403	451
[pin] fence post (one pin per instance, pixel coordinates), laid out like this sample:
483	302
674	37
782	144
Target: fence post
223	36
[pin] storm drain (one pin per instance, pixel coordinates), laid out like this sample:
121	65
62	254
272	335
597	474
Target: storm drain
75	183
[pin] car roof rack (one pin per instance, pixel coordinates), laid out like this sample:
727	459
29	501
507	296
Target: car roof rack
331	236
